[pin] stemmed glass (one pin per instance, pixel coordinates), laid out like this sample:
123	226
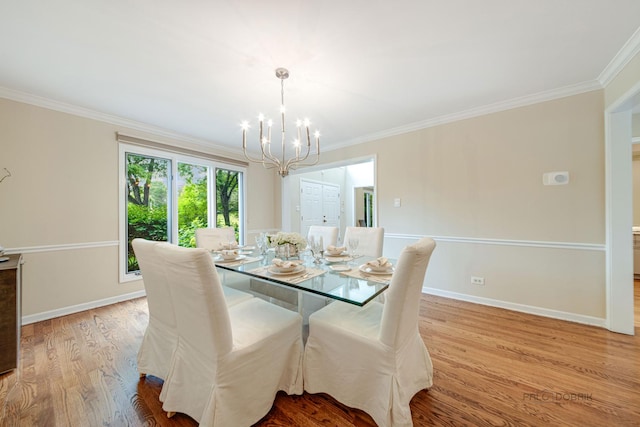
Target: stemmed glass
317	248
261	243
353	245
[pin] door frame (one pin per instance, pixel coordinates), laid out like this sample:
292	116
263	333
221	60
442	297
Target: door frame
619	212
285	199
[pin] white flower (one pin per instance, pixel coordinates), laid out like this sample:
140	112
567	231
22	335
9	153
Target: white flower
282	238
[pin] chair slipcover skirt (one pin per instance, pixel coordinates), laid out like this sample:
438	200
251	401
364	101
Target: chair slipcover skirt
239	388
230	361
373	357
382	383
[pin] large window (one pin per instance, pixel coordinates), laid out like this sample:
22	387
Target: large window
166	197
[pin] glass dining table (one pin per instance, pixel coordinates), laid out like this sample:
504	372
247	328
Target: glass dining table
341	278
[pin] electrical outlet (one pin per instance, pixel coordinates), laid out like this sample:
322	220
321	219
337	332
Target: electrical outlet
477	280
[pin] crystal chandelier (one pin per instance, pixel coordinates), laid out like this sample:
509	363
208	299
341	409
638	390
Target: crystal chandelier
279	160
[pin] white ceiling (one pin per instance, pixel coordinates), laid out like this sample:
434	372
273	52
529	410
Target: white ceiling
359	68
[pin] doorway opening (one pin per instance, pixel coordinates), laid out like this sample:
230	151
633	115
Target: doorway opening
348	175
619	211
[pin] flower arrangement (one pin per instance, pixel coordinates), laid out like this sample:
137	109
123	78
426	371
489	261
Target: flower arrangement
282	238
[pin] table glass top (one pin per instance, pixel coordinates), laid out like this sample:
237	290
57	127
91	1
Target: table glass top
341	278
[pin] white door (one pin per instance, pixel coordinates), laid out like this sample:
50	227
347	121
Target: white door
319	205
331	205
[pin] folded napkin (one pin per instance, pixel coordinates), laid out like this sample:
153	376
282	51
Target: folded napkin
229	253
283	264
381	262
336	249
227	245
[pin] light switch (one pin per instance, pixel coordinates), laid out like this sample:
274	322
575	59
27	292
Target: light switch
397	203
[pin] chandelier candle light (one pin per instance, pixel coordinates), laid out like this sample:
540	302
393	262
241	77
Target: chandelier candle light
270	160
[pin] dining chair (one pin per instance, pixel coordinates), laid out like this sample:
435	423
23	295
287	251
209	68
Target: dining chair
373	357
370	240
161	335
230	361
214	238
329	234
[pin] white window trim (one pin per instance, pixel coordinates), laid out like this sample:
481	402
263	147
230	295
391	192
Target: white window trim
175	158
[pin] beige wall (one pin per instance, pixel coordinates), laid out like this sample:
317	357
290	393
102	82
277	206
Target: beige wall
478	182
475	184
64	191
625	80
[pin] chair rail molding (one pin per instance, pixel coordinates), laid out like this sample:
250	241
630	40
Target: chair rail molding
61	247
503	242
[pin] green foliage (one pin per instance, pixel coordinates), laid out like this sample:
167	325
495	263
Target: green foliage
192	204
187	234
227	194
145	178
147	223
132	264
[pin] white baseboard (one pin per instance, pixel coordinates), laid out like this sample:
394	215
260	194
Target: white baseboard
529	309
538	311
46	315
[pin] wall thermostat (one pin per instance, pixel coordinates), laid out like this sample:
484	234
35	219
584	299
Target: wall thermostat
555	178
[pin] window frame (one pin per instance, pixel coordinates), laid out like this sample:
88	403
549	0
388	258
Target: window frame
174	159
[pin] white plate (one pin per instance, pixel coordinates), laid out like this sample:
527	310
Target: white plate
368	270
336	255
340	267
341	258
220	259
4	258
296	270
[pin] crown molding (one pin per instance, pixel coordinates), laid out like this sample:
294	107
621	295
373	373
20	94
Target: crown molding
549	95
496	107
39	101
630	49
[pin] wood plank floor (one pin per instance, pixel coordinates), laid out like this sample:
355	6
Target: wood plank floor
492	367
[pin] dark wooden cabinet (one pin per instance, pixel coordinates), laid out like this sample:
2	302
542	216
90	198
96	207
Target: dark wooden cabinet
10	315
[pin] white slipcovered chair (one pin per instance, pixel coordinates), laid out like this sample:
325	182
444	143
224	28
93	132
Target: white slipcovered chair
372	357
230	361
329	234
161	335
370	240
214	238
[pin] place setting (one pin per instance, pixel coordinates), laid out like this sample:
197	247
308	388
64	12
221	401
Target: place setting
292	271
231	257
336	254
378	270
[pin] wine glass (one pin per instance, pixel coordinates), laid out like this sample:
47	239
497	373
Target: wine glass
261	243
353	245
315	246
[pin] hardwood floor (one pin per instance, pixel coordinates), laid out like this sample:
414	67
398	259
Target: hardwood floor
491	367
